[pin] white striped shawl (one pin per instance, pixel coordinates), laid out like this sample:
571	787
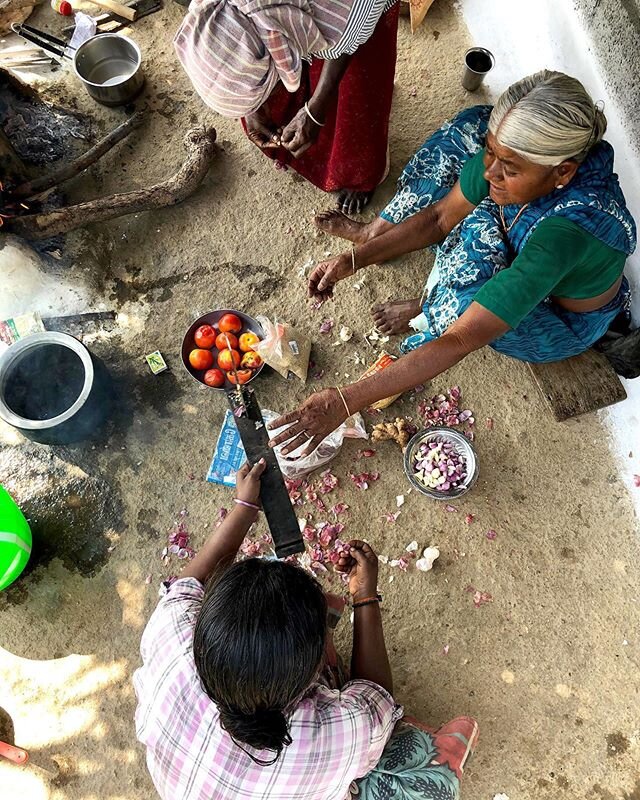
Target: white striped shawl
236	51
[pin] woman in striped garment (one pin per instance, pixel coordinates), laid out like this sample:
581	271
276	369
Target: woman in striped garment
312	81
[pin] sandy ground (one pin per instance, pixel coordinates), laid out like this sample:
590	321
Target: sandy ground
549	668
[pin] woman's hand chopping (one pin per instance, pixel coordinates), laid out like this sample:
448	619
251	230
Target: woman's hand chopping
325	275
317	417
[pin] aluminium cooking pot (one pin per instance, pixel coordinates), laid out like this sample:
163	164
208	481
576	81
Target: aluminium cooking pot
108	64
53	390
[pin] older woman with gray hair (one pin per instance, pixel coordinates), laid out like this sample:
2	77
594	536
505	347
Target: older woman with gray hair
531	232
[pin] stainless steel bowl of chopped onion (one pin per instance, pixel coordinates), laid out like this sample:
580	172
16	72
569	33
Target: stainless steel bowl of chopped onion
441	463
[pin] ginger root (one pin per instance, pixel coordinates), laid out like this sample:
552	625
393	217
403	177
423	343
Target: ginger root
399	431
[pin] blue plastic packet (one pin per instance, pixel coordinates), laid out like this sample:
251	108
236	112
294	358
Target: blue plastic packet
228	456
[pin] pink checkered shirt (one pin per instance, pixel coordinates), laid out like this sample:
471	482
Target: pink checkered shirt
338	736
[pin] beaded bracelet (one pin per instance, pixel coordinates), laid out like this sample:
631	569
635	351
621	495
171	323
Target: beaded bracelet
247	505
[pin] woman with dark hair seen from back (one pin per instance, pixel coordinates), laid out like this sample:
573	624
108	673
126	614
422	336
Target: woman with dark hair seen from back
278	613
241	694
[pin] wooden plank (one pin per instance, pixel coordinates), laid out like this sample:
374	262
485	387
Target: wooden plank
578	385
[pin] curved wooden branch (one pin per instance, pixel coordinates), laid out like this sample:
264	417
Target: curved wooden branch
42	184
200	146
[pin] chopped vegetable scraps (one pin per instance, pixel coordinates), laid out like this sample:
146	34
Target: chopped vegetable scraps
363	480
326	326
366	453
329	482
445	410
479	598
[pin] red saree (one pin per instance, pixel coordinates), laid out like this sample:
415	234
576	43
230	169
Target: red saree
351	150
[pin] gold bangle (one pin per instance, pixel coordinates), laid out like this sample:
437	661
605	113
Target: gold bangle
344	401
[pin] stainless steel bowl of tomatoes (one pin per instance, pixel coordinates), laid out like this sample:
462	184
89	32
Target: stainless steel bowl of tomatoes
219	341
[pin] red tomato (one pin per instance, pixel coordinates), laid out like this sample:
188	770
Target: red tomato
251	360
214	377
205	337
201	359
226	340
244	376
230	323
247	341
228	359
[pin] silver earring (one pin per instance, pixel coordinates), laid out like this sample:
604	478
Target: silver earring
560	186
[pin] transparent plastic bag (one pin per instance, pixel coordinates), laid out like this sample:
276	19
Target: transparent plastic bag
326	451
284	348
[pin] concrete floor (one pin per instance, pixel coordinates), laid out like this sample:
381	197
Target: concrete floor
549	668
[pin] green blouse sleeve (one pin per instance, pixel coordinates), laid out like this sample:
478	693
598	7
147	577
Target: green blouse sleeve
554	249
472	182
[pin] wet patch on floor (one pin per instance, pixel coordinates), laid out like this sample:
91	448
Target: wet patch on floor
73	515
146	524
617	744
635	793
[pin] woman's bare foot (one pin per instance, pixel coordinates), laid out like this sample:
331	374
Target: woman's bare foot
351	202
392	318
335	223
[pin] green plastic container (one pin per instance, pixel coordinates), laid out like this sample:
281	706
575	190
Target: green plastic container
15	540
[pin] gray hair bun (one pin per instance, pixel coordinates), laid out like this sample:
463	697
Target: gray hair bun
548	118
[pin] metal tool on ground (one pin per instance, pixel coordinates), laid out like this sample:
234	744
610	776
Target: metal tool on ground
27	59
274	497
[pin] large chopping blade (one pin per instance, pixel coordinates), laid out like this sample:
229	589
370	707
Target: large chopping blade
276	504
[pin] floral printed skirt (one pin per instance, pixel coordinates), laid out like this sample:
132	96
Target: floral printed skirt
420	764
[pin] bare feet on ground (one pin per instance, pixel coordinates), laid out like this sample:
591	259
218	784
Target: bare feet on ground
351	202
392	318
335	223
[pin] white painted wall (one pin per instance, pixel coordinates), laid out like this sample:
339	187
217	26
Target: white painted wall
526	36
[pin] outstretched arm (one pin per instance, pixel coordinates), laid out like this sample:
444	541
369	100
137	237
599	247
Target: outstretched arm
369	658
427	227
223	544
324	411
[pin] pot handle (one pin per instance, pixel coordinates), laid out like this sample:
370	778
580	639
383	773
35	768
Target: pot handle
44	40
